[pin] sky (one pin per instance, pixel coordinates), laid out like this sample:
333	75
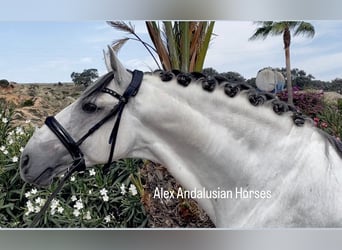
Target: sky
48	52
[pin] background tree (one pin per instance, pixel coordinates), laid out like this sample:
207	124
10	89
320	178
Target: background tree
210	71
4	83
284	28
233	77
85	78
179	45
299	77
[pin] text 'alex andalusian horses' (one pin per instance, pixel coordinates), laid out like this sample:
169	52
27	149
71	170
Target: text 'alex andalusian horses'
249	159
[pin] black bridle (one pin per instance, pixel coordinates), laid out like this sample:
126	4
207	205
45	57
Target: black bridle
74	147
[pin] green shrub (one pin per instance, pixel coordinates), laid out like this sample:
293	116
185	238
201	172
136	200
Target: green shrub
330	120
308	102
339	104
28	103
89	199
4	83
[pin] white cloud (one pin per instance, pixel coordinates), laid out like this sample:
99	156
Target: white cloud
323	66
232	51
86	60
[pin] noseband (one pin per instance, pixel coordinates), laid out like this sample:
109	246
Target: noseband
73	147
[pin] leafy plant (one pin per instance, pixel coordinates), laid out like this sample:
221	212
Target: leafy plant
339	104
308	102
179	45
89	199
27	103
330	120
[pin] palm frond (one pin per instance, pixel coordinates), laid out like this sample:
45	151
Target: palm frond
129	28
208	32
122	26
154	32
117	44
305	29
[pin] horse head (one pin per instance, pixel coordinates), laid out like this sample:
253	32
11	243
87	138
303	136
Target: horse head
45	157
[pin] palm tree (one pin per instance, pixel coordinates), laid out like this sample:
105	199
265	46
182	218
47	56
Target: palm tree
284	28
179	45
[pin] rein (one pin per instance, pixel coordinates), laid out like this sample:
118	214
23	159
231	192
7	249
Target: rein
74	147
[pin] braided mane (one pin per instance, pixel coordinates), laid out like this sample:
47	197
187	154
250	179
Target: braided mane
255	96
210	83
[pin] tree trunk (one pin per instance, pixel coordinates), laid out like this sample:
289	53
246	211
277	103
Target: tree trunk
288	76
287	42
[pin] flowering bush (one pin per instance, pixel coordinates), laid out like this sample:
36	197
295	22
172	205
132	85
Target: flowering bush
330	120
308	102
327	117
89	199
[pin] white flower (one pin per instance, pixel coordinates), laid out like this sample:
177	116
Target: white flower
72	178
27	121
15	159
78	205
92	172
87	216
123	189
21	149
73	198
5	152
34	191
107	219
18	130
76	213
60	210
90	191
4	120
30	207
28	194
39	201
133	189
53	211
10	133
2	148
54	204
10	142
105	198
37	209
103	191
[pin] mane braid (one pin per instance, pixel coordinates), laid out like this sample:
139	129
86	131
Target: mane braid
209	83
255	96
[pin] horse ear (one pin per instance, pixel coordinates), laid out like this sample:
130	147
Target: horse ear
121	74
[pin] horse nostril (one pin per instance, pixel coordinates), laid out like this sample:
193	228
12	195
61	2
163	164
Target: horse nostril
25	161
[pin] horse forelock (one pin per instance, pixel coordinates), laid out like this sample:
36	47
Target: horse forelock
97	86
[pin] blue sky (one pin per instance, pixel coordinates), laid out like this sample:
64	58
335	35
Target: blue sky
42	52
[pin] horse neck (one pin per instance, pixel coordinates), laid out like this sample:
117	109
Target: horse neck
202	137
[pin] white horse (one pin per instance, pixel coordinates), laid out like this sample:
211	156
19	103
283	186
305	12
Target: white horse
247	165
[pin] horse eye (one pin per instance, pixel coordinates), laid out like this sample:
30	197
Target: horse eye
89	107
